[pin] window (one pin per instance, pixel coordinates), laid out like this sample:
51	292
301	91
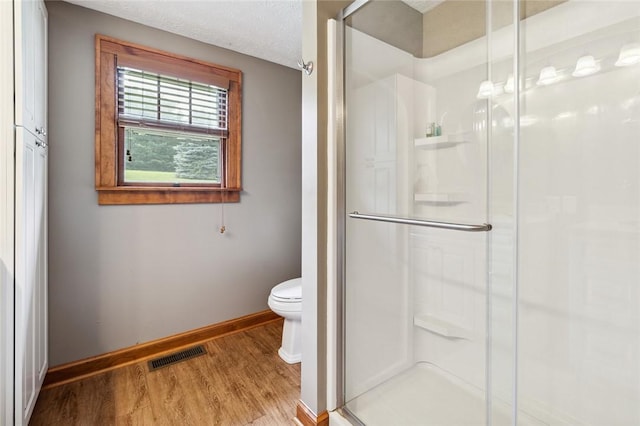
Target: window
167	127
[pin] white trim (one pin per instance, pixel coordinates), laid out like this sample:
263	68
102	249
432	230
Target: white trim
7	202
332	289
309	381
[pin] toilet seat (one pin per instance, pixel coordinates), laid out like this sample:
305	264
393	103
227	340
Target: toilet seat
288	292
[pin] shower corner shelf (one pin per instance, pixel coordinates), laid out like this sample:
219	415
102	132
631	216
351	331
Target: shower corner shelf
439	198
441	327
437	142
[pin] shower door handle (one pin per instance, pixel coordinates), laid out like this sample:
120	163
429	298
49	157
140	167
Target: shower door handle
485	227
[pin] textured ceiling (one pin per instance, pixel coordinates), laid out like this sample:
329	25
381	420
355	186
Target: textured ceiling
266	29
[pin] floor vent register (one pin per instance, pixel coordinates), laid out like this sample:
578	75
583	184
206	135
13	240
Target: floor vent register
176	357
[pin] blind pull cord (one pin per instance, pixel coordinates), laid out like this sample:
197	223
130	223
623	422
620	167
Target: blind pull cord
222	227
129	158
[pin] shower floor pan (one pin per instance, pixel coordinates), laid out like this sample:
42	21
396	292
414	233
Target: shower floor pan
426	395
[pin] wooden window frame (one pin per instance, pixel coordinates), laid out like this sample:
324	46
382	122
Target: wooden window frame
109	53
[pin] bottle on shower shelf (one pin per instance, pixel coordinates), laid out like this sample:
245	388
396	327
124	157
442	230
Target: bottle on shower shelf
430	130
437	131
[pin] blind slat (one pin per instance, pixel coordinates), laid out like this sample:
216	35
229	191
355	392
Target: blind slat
190	128
153	99
136	92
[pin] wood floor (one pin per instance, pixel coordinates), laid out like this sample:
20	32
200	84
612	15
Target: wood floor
240	381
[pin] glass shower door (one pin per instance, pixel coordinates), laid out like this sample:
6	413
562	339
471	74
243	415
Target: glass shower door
523	114
416	233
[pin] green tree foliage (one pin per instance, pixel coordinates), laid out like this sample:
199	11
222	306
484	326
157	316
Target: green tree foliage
189	158
149	151
196	159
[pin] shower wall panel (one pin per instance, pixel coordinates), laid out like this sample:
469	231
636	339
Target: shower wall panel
377	318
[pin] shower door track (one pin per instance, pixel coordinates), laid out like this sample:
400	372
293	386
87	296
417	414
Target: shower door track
485	227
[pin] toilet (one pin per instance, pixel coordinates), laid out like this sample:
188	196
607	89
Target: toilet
286	300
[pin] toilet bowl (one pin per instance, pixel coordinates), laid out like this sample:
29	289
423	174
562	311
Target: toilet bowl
286	300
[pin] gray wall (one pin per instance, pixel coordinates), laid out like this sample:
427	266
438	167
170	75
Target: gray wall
392	22
122	275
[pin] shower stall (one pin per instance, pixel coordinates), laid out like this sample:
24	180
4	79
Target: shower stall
489	212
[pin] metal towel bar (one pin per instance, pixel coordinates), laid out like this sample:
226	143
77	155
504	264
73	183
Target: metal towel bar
485	227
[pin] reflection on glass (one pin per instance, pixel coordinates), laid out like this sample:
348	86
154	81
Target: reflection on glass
509	85
629	55
486	90
579	245
548	75
585	66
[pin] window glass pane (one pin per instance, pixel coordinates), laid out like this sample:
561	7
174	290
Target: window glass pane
152	156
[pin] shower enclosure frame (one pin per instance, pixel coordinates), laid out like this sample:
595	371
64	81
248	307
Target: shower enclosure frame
342	215
540	318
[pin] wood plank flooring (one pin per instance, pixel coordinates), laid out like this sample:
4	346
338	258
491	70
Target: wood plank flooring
240	381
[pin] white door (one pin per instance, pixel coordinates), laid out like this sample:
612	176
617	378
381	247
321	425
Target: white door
31	274
40	71
30	315
26	36
41	280
31	65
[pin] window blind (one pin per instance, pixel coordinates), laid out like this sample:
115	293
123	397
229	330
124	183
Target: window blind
155	100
